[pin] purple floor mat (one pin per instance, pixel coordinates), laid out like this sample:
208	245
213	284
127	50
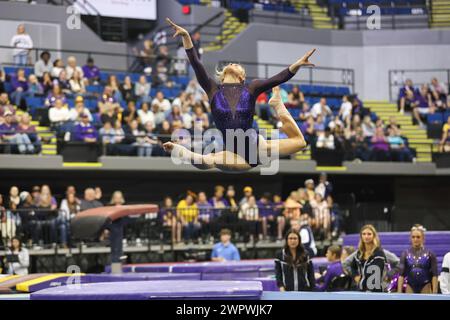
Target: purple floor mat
145	290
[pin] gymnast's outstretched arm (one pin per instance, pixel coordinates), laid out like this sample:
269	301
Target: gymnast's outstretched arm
259	86
205	81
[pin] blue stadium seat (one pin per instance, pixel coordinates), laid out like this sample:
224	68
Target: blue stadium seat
343	91
306	88
71	102
435	118
295	112
446	116
34	102
153	92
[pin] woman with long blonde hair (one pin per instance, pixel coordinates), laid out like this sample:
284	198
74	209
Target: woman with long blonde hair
233	107
367	264
418	265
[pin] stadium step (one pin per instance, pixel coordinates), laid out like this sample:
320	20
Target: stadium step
417	137
440	13
231	28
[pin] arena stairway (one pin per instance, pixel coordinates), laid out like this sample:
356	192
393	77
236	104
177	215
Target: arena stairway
319	14
48	139
231	28
440	13
416	135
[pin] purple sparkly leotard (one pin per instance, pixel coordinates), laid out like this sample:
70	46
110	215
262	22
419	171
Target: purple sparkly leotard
418	266
233	105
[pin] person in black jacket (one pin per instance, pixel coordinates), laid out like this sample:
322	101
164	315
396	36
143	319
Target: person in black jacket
367	265
293	268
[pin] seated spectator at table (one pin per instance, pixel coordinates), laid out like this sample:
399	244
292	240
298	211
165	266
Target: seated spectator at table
266	215
77	84
422	106
19	86
145	115
106	99
58	66
70	207
165	132
187	212
359	146
249	220
130	113
322	218
380	146
321	108
25	127
218	200
85	131
295	97
324	187
444	144
225	250
10	134
325	140
47	214
21	265
170	221
43	65
142	89
127	90
56	94
398	150
72	67
79	109
34	87
406	97
439	94
163	103
22	44
205	214
444	278
99	194
91	72
334	270
89	201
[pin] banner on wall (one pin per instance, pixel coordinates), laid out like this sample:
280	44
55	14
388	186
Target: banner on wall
131	9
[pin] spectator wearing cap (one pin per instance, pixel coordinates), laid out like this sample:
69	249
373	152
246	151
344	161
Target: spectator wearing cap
309	185
248	192
225	250
85	131
43	65
91	71
266	214
9	133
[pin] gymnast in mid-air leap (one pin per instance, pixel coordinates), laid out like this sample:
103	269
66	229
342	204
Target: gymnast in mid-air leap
233	107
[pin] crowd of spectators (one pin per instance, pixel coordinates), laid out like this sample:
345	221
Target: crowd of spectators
40	217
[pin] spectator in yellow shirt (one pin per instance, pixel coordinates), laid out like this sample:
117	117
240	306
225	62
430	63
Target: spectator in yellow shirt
445	141
187	212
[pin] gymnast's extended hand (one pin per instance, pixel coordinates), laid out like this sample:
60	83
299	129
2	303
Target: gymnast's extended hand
302	62
179	31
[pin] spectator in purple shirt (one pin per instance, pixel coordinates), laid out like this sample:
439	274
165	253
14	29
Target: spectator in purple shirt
422	105
85	131
205	214
91	71
334	270
266	214
9	133
406	96
380	146
20	87
56	94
